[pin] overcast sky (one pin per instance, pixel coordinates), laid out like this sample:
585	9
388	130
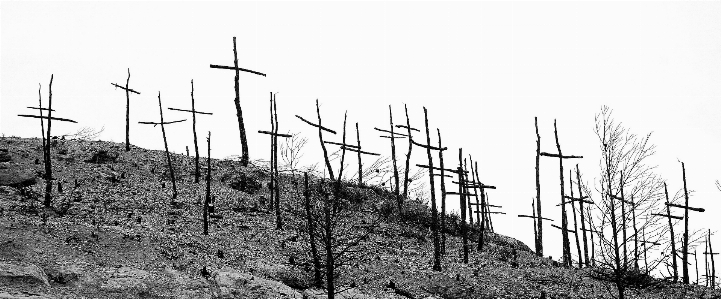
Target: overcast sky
483	70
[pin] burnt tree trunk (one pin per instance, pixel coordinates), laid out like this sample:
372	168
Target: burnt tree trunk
479	208
535	228
317	282
408	156
464	228
239	111
623	224
564	219
42	126
635	234
360	163
395	165
484	216
167	152
685	228
271	183
127	113
575	219
276	183
322	143
329	259
539	240
195	135
468	198
443	195
583	220
672	234
713	263
207	191
48	157
434	209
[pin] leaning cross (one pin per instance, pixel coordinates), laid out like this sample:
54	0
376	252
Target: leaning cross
239	111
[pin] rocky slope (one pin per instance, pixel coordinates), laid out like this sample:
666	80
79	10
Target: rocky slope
113	232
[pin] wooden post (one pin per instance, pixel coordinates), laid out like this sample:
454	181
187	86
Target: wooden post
434	209
468	198
42	126
479	206
207	192
239	112
535	228
482	235
564	219
127	109
320	136
583	220
443	193
705	258
539	240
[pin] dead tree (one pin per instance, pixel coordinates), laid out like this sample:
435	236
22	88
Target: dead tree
162	124
195	135
239	112
207	192
274	186
360	161
410	150
539	240
127	109
564	219
434	210
462	193
46	143
485	207
320	136
686	208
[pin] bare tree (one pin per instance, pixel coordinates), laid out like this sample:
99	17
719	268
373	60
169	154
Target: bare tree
625	175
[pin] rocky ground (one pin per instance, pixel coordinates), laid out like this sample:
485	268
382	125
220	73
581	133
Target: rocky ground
113	232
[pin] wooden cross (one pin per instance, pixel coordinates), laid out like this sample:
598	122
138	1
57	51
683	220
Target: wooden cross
410	130
162	124
707	253
239	111
274	189
321	128
46	139
686	208
434	209
195	135
564	219
127	109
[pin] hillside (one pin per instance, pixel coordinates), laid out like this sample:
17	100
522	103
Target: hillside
113	233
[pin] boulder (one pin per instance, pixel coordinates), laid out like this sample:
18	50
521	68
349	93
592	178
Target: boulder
16	179
232	282
347	294
126	279
15	273
65	274
4	156
22	295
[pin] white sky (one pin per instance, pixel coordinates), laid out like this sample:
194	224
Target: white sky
483	69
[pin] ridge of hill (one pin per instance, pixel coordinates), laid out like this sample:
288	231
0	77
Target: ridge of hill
113	233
